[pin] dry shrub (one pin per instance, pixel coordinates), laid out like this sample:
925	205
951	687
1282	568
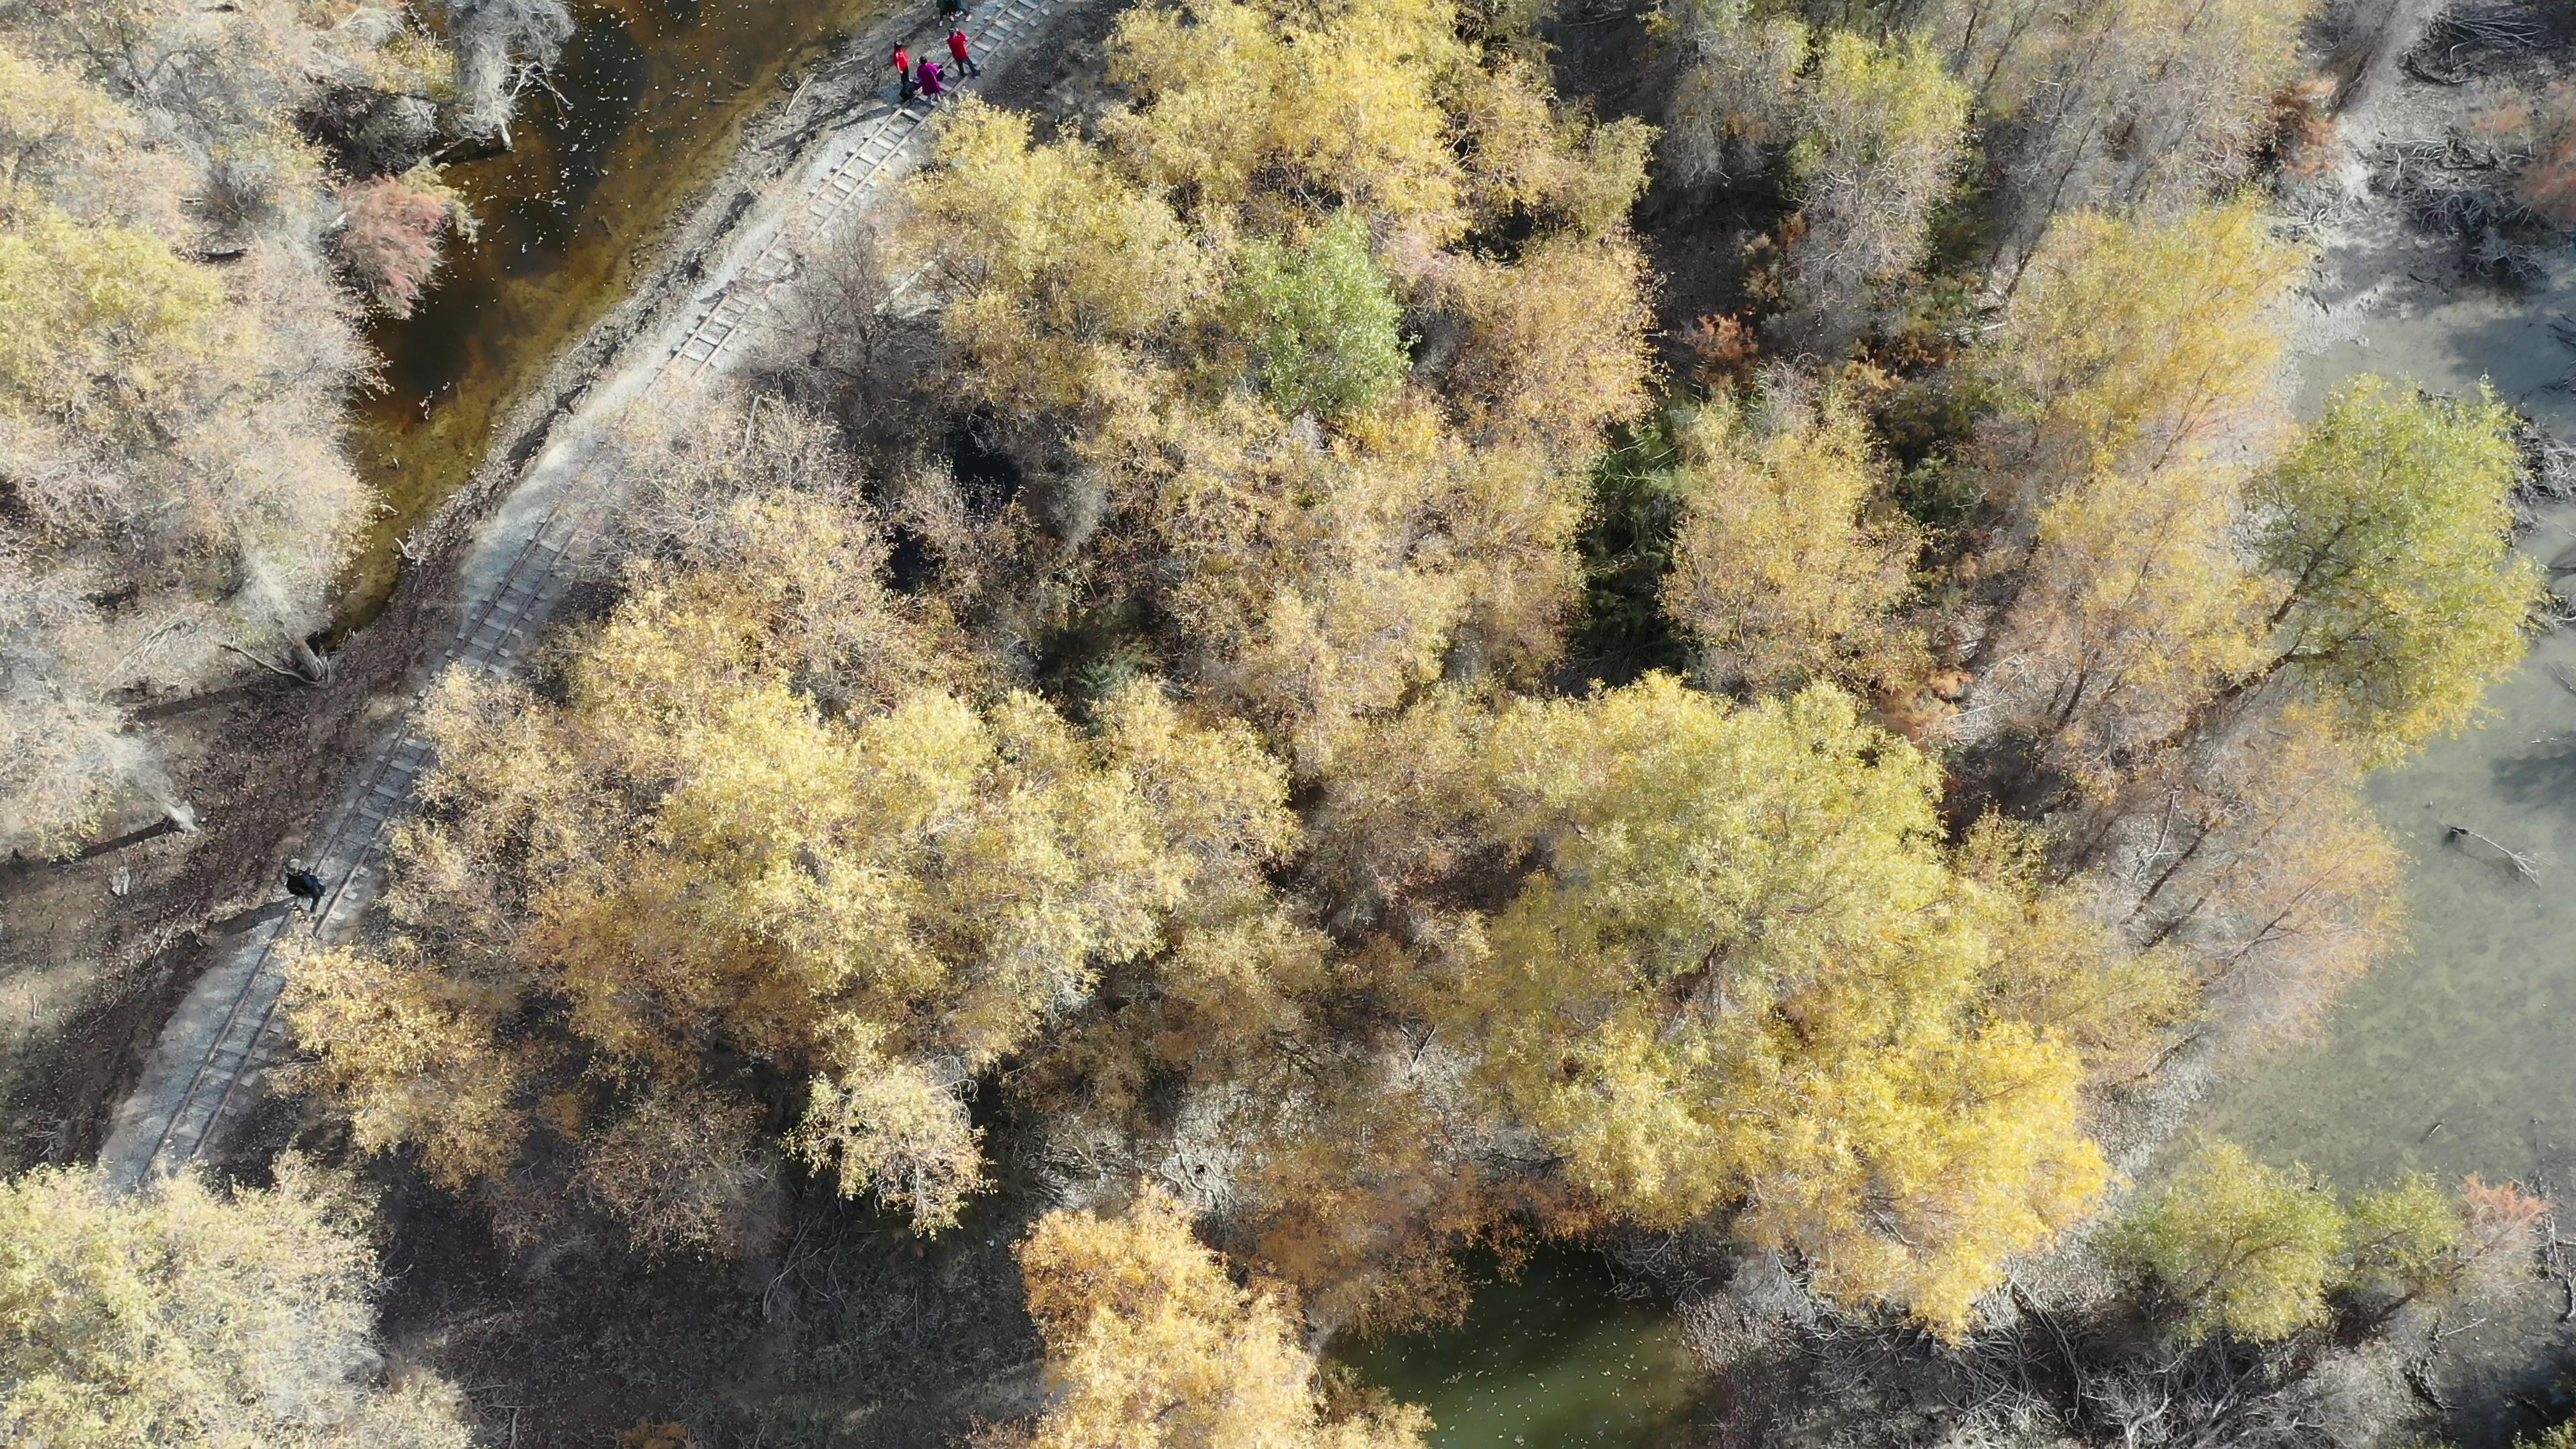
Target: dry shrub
389	237
2506	1227
2303	127
2548	181
1723	350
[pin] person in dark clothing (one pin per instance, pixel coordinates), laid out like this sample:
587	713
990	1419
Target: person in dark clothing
953	10
903	75
957	52
932	86
304	886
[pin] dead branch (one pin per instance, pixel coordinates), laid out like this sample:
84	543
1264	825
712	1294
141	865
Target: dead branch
2525	865
2554	1265
2419	1377
277	669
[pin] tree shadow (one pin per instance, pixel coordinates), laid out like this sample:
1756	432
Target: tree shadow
2544	777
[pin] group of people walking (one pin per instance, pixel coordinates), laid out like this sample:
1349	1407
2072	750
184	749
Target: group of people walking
928	77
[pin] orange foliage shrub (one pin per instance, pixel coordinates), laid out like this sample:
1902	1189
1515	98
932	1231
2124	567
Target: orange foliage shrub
2303	126
389	238
2548	184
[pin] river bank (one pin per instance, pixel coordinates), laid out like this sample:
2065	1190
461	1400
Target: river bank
649	109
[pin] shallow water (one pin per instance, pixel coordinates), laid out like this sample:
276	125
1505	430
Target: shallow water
1554	1359
2459	1054
646	106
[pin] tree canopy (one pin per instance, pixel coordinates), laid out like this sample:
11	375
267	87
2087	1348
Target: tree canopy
2389	534
192	1318
1149	1342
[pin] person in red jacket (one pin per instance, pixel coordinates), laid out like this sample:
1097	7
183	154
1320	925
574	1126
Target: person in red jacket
957	51
903	74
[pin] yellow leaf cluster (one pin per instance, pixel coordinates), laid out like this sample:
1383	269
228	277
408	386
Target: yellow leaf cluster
1150	1345
1314	567
689	857
1785	562
2134	344
1749	975
181	1317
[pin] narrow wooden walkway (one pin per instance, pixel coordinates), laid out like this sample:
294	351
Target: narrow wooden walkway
215	1051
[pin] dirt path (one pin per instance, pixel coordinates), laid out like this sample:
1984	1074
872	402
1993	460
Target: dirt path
212	1058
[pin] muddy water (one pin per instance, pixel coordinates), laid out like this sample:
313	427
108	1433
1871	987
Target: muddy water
647	106
2459	1055
1554	1359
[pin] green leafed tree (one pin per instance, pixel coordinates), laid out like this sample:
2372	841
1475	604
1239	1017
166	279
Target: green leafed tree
1321	320
2390	530
2237	1246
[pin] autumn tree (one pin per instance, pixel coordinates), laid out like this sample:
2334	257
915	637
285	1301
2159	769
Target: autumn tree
1787	560
2136	344
2136	610
1150	1343
2153	103
170	425
772	823
1061	269
1879	133
1748	974
2413	1242
2390	532
1732	98
184	1316
1211	304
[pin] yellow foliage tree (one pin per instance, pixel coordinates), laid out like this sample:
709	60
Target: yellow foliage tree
1785	562
1227	93
169	429
2136	612
101	325
185	1318
1064	271
1747	974
2139	343
1150	1344
2130	102
1734	95
1209	296
1880	132
689	863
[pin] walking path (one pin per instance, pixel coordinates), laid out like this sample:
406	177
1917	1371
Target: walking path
215	1051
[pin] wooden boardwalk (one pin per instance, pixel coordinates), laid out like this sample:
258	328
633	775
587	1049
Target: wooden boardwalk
214	1053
